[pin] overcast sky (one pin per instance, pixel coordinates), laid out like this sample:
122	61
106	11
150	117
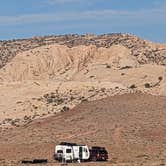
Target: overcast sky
27	18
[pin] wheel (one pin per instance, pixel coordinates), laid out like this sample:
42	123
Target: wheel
94	158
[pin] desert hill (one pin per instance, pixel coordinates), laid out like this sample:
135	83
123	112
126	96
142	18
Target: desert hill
85	67
131	126
43	80
78	72
48	62
144	50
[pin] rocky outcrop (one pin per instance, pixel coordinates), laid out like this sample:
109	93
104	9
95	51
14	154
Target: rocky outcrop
144	51
52	62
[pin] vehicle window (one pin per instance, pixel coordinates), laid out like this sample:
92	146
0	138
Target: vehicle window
68	150
59	151
103	151
85	150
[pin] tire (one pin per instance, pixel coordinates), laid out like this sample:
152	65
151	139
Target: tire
94	158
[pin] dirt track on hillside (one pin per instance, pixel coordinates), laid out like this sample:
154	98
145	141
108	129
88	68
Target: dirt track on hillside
132	127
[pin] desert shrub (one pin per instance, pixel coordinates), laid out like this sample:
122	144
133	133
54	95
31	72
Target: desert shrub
125	67
72	98
49	100
103	89
26	117
84	100
108	66
15	122
160	78
45	95
92	77
147	85
65	108
133	86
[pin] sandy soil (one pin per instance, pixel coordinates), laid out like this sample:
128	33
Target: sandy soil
38	87
85	70
132	127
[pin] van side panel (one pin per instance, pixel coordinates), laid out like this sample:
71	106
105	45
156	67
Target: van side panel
76	152
70	153
85	153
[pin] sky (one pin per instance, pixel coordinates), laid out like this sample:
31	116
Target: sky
28	18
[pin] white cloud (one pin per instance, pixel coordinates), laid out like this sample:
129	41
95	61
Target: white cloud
150	16
63	1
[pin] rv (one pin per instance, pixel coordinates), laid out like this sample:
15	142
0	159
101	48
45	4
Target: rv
71	152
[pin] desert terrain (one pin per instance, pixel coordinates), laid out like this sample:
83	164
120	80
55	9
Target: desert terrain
107	90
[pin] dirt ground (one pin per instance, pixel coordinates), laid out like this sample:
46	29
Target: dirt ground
131	126
59	88
85	70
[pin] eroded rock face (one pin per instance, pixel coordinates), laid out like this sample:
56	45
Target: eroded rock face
45	76
144	51
47	62
94	66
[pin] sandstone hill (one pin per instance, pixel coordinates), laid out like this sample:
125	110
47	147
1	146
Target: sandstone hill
130	126
144	50
86	67
48	62
43	78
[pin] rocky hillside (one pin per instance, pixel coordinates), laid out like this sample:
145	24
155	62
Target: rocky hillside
144	51
108	90
130	126
43	75
57	61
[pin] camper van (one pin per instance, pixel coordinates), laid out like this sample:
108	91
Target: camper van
71	152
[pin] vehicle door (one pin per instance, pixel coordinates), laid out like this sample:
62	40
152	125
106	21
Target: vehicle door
80	152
